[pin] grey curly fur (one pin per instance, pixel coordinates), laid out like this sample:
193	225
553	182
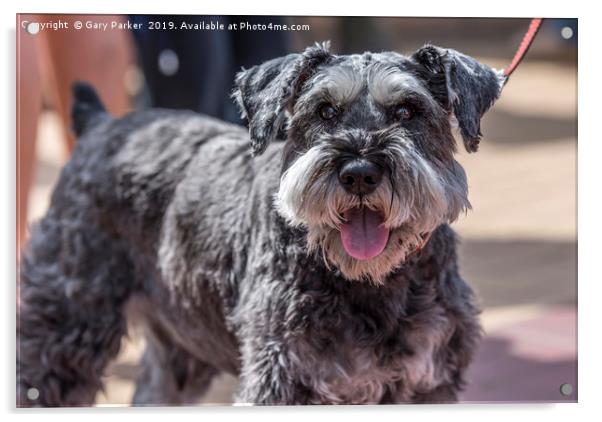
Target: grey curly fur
169	218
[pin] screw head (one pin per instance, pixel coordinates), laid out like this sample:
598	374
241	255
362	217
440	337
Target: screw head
566	389
33	394
33	28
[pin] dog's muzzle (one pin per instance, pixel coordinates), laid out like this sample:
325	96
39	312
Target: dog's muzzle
363	233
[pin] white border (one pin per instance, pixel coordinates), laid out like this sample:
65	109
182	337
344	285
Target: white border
589	214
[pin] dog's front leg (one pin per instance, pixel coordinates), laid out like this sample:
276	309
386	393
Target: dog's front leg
266	377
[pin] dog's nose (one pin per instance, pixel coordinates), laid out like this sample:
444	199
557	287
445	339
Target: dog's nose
360	176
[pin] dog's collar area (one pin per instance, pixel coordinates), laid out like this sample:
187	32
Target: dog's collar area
425	239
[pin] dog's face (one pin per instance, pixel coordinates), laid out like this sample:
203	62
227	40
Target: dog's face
368	165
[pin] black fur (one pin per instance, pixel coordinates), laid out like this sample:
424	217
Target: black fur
166	218
86	107
474	88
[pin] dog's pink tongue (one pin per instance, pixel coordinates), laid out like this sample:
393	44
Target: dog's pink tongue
363	234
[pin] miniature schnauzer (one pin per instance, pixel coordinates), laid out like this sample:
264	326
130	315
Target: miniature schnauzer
313	259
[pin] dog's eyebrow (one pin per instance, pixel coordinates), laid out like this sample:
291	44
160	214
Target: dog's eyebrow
341	84
389	85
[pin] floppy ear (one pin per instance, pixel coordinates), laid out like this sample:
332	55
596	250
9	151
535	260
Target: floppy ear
463	85
265	92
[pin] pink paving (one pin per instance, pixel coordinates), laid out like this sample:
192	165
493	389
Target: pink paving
527	361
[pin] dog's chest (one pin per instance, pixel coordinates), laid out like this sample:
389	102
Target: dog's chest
354	359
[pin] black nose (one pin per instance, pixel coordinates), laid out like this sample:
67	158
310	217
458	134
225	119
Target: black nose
360	176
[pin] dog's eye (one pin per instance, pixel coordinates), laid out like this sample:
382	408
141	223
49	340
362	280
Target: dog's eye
403	112
327	111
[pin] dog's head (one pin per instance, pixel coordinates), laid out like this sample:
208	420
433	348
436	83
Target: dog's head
368	165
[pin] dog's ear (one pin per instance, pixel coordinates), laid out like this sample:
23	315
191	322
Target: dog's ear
463	85
265	92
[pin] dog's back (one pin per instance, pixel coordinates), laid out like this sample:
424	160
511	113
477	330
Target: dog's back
100	241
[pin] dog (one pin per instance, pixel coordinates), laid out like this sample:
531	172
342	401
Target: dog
310	255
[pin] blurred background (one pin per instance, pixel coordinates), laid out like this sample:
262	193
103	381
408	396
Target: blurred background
518	244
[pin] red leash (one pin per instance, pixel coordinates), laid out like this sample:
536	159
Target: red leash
523	47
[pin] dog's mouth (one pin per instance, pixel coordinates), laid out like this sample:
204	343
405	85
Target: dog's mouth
363	234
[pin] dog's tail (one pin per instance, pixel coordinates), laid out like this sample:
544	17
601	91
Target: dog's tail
86	107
